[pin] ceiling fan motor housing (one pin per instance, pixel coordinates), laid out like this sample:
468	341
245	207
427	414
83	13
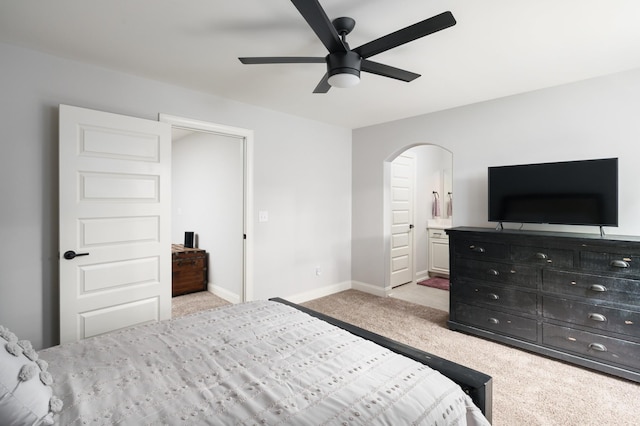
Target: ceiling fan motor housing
343	63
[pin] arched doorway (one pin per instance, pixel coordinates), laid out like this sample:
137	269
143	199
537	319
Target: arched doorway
432	183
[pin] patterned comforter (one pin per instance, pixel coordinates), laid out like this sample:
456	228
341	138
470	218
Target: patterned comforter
253	363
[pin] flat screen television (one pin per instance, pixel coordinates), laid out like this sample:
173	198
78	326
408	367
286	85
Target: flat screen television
570	193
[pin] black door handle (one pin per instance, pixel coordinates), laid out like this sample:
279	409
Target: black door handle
72	254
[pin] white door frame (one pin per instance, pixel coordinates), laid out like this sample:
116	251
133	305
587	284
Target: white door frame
247	137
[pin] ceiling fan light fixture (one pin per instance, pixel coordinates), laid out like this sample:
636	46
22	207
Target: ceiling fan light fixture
344	80
343	69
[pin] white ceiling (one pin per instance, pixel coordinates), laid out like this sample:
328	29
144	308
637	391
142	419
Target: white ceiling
498	48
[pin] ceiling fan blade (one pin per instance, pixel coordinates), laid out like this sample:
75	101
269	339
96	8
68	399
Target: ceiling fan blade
405	35
323	86
283	60
317	19
387	71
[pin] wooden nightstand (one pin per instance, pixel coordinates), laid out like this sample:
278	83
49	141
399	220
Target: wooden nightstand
189	267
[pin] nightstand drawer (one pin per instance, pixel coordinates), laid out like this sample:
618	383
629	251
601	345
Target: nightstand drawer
500	322
613	320
495	272
592	287
592	345
501	297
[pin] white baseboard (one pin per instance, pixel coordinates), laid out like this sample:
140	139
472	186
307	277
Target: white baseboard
421	276
319	292
347	285
315	293
224	293
371	289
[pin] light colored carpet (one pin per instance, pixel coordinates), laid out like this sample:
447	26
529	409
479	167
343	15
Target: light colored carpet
528	389
195	302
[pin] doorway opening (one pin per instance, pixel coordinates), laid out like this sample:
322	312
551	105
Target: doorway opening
431	183
211	197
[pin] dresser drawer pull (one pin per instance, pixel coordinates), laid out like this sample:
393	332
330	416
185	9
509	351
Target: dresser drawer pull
493	321
619	264
476	249
493	272
541	256
597	287
597	317
598	347
493	296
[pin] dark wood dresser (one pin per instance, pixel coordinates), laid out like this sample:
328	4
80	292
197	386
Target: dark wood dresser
189	270
574	297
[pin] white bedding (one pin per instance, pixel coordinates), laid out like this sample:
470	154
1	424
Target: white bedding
253	363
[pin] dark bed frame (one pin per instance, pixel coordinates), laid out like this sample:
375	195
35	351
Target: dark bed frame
476	384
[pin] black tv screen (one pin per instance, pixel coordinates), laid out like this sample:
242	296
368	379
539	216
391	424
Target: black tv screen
570	193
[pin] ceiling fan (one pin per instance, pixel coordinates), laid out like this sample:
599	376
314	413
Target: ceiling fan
345	64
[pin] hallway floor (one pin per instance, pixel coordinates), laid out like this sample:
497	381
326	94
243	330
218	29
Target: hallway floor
421	295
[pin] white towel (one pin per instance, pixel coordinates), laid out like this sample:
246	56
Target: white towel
435	208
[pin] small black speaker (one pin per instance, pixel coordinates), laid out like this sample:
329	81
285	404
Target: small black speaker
188	239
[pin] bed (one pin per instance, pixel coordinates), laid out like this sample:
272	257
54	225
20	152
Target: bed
254	363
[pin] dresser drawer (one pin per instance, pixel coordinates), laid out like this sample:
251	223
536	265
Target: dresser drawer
592	345
500	322
542	256
496	272
497	296
619	263
481	249
592	287
606	319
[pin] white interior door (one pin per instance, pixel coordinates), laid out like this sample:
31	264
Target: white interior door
115	215
402	188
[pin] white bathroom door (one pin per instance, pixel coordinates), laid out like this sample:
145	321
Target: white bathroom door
402	188
115	222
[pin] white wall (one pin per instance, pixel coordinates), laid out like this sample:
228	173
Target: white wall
596	118
302	175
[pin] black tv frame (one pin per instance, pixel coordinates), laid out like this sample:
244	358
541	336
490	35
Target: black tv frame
549	193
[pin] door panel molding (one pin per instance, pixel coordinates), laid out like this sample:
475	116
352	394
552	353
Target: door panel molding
115	206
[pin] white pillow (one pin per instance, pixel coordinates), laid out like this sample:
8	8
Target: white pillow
25	395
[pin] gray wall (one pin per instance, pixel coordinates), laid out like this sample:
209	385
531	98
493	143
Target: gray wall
302	176
597	118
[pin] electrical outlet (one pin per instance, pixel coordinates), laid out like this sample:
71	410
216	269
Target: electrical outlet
318	271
